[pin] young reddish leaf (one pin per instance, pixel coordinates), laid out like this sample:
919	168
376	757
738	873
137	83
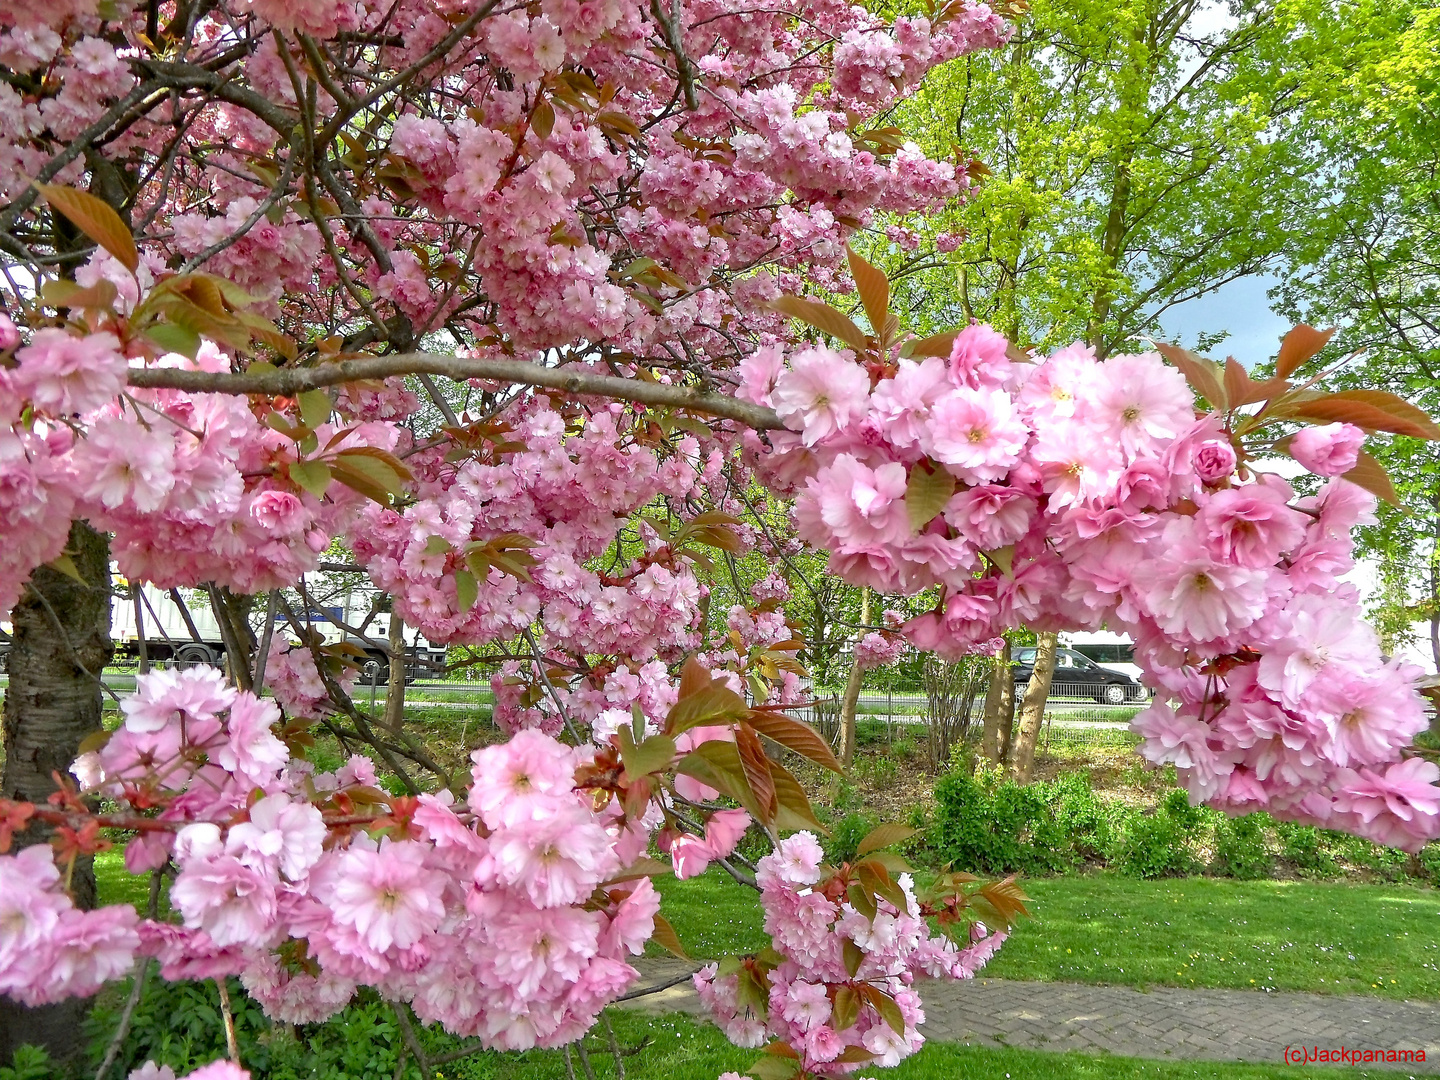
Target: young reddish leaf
926	494
1007	898
542	120
780	1049
1300	345
1373	410
795	735
1371	475
853	955
1204	376
887	1008
854	1054
757	772
874	289
96	219
1265	390
846	1009
1237	381
823	317
641	868
795	811
693	678
666	937
884	836
935	345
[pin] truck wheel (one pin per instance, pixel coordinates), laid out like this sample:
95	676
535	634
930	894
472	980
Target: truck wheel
374	672
195	654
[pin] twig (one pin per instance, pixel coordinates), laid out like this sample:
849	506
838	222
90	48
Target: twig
113	1050
614	1048
646	991
232	1046
554	695
407	1032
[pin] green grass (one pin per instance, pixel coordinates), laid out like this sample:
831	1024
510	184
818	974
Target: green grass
1193	932
681	1049
1320	936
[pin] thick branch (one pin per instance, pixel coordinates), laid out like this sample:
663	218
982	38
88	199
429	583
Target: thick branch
291	381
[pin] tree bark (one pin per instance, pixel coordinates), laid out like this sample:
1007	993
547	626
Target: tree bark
1032	709
61	644
395	687
999	709
851	700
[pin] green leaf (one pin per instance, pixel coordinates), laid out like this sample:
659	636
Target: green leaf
716	703
652	755
96	219
926	494
174	338
853	956
889	1011
312	476
846	1010
467	589
772	1067
437	545
314	407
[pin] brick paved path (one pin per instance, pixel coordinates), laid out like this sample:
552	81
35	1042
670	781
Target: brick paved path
1214	1025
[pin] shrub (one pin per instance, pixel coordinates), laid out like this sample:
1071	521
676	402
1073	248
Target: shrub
29	1063
1151	846
1240	850
999	829
1303	845
845	836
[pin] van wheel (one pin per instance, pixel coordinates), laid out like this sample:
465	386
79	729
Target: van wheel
195	654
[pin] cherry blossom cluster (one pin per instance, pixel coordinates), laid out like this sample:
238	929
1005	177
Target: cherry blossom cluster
844	984
497	918
1072	493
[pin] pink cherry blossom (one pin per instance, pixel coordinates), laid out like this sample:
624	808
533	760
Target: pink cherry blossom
820	393
1327	450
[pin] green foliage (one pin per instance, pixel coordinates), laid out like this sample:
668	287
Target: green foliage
1000	828
1302	846
29	1063
1240	850
1152	846
845	836
179	1024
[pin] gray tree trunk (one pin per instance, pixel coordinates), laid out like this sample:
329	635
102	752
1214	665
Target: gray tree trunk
61	644
851	700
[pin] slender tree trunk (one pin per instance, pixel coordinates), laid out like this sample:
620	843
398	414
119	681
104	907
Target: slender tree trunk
61	643
1032	709
851	700
999	708
395	688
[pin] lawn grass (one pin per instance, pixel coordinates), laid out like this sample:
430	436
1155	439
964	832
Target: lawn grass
1323	937
681	1049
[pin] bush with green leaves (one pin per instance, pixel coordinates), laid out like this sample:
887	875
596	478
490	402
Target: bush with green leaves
1240	850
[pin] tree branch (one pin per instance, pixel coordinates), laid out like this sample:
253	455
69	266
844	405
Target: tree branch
291	381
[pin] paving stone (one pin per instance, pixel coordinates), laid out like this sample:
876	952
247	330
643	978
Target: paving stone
1217	1025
